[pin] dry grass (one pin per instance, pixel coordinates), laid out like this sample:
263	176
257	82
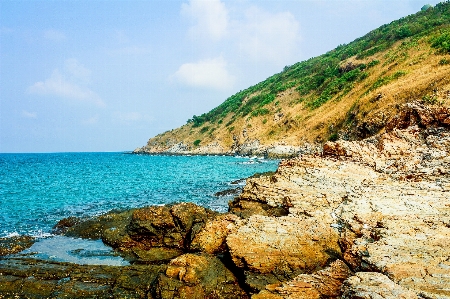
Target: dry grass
424	78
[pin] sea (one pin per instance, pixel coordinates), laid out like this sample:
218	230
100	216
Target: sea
38	190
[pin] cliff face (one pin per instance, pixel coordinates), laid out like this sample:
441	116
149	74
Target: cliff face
362	219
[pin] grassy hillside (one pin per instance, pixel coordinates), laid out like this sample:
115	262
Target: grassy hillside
349	92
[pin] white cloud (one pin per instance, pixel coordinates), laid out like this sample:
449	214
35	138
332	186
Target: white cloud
28	114
209	73
77	71
54	35
72	84
210	18
268	37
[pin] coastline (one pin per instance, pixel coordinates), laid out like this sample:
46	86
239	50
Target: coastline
249	148
361	219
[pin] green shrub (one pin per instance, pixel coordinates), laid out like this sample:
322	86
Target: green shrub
333	137
432	100
204	129
373	63
197	142
442	43
260	111
444	61
385	80
426	7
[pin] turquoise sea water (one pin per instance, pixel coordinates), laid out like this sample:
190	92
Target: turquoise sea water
37	190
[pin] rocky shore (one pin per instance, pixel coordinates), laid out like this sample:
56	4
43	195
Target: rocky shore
248	147
361	219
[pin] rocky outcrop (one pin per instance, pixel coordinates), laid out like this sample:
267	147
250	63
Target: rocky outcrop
198	276
11	245
363	219
387	198
246	148
30	278
149	234
282	247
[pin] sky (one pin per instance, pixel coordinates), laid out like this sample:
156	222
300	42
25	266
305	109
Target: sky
107	75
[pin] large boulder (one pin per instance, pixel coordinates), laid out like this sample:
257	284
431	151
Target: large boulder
151	234
283	246
198	276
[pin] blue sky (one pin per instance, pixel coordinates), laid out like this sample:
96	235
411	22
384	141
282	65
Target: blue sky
108	75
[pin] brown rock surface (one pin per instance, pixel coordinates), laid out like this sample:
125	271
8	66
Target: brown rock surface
324	283
149	234
387	198
198	276
372	285
284	245
31	278
212	237
11	245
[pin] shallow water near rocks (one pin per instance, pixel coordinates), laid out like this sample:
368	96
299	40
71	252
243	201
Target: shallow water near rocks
74	250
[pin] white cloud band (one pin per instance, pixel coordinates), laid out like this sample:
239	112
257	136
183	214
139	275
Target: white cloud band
209	73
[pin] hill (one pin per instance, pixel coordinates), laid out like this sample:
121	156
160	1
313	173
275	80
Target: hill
349	93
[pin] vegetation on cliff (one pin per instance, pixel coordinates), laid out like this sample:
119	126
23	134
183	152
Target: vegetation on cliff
348	93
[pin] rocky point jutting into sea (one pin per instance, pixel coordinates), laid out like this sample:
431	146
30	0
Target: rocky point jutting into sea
360	219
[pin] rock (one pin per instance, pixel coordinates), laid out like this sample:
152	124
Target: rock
213	148
167	226
93	228
31	278
152	234
156	254
198	276
387	197
324	283
415	113
284	246
212	238
64	224
11	245
229	192
374	285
